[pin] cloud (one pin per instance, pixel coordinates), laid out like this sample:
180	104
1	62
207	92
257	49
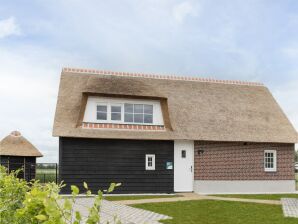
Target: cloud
9	27
28	94
291	52
184	9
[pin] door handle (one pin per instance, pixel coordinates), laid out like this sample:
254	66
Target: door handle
190	168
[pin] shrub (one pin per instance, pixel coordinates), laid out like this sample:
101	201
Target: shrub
12	195
34	203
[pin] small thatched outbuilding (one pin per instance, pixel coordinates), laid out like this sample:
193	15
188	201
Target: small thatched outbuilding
16	152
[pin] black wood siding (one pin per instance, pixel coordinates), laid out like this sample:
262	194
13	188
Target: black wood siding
22	163
100	162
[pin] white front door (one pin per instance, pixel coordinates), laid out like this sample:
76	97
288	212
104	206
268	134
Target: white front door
183	166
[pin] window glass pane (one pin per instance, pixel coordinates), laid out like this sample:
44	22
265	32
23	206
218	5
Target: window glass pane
150	162
138	108
137	113
128	108
148	109
128	117
138	118
101	116
269	160
116	116
116	109
101	108
148	118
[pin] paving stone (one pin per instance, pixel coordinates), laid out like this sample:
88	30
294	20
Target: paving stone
112	212
290	207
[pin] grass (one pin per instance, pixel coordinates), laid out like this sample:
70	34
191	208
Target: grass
223	212
259	196
46	171
45	175
138	197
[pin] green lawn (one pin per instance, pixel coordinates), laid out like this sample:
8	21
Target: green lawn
45	175
219	212
259	196
138	197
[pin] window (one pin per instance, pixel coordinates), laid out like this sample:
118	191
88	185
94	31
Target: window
124	112
150	162
116	112
128	112
270	160
138	113
102	111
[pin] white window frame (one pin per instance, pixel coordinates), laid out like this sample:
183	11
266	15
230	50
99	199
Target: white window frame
110	113
122	121
274	168
133	113
102	104
153	162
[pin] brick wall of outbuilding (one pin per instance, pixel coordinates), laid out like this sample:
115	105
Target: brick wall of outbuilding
241	161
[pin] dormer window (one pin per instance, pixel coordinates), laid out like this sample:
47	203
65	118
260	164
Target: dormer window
123	111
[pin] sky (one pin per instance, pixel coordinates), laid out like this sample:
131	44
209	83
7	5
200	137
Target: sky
254	40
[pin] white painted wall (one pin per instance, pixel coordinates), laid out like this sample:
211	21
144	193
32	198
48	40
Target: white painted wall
244	187
90	112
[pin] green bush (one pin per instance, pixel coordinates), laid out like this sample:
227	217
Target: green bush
12	195
35	203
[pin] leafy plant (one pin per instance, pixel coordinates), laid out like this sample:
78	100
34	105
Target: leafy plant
35	203
12	194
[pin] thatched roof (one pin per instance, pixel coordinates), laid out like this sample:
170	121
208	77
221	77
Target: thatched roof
16	145
196	109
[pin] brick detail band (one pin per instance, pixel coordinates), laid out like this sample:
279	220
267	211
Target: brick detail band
157	76
241	161
123	126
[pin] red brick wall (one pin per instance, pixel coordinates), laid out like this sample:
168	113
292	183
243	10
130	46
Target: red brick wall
237	161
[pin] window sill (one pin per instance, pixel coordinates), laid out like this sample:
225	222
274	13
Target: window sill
270	171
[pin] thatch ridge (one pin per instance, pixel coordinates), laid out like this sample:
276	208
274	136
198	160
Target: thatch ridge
158	76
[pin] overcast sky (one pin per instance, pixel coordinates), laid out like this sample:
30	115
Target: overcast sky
243	40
